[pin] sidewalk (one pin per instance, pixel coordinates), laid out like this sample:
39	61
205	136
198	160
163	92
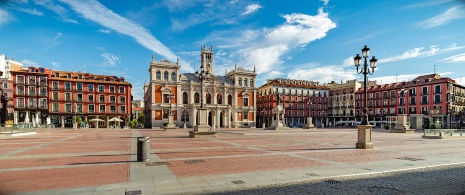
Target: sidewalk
103	161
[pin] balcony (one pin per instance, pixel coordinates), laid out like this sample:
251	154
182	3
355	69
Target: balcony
43	106
55	87
67	88
42	83
32	106
20	93
68	100
79	89
20	105
32	94
43	94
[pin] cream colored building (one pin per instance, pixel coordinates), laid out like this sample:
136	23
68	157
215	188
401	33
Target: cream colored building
230	99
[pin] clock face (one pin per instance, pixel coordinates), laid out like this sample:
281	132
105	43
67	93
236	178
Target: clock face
208	65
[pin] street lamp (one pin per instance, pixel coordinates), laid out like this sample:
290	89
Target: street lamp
263	117
202	76
185	116
309	104
75	111
365	70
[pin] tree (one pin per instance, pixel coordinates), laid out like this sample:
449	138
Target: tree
141	118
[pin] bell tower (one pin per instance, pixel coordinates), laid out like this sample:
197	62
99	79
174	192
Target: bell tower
206	59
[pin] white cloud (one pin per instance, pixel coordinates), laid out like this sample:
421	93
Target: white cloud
58	9
4	17
251	8
348	62
297	31
419	52
455	58
106	31
33	11
460	81
96	12
110	60
56	64
452	13
27	63
325	2
427	4
54	42
395	78
322	74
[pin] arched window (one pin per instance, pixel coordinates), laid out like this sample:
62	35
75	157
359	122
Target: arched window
184	98
251	84
173	76
245	82
209	98
230	100
240	82
196	98
165	75
219	99
158	75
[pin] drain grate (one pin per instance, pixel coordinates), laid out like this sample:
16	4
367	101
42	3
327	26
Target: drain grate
332	181
312	174
194	161
135	192
156	163
238	182
410	159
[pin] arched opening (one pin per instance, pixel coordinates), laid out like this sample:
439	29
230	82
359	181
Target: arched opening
184	98
210	118
230	100
221	119
173	76
209	98
158	75
165	76
196	98
219	99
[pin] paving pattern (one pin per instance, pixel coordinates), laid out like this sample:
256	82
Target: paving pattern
238	161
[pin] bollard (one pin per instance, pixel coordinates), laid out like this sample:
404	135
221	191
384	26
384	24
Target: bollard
143	145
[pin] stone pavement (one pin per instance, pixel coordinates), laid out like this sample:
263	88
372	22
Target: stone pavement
245	161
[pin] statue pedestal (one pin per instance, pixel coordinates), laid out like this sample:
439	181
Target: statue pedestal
402	126
170	124
202	129
278	119
309	124
364	137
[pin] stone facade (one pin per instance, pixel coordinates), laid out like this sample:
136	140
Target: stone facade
229	100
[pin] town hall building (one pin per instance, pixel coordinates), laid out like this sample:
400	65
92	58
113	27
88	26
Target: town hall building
229	99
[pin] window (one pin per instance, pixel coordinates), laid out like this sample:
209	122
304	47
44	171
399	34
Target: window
412	91
69	75
55	107
196	98
112	99
437	89
251	83
43	91
78	108
68	97
112	109
32	102
20	79
91	108
32	80
122	100
165	113
32	91
90	88
79	97
102	98
437	99
393	94
55	96
165	75
67	86
185	98
5	85
101	88
412	100
424	91
245	82
121	89
209	98
80	76
112	89
219	99
424	99
79	86
230	100
158	75
246	101
166	98
68	108
173	76
122	109
91	98
101	108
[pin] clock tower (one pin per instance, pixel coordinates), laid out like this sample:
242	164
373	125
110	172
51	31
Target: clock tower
206	58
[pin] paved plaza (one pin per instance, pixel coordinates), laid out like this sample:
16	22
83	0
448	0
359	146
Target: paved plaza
238	161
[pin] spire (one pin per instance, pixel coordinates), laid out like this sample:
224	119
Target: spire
253	68
177	61
153	58
235	66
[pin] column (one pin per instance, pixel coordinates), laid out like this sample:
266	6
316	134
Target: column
15	117
39	119
62	121
108	118
26	119
228	120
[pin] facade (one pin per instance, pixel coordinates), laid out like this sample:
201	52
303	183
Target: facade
229	99
6	80
137	108
426	100
50	97
341	105
300	100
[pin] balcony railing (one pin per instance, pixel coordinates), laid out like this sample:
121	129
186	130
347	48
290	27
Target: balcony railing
20	105
20	93
42	83
32	94
55	87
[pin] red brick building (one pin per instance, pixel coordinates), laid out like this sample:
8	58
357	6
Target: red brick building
50	97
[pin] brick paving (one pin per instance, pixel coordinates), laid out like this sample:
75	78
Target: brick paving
66	159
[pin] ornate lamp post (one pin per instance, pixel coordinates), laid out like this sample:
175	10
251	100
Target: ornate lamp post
202	126
184	109
402	95
365	70
170	124
309	118
364	130
75	119
263	117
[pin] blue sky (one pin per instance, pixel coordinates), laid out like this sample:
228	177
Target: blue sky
299	39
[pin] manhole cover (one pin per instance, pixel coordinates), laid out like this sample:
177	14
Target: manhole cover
194	161
332	181
312	174
156	163
384	190
238	182
135	192
410	159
